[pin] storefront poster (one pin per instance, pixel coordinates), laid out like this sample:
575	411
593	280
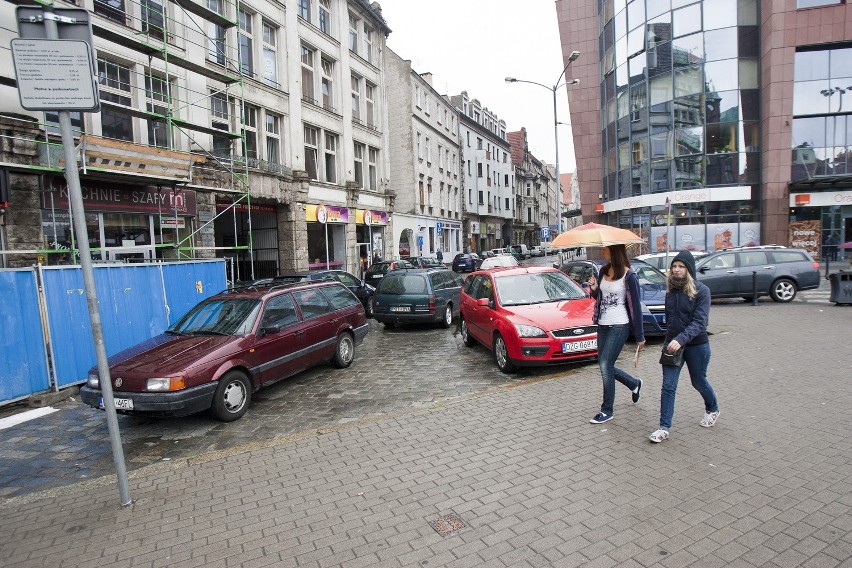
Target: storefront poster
689	237
721	236
662	239
749	234
326	214
806	235
370	217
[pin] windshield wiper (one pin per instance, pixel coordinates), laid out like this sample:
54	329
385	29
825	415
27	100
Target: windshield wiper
174	332
208	332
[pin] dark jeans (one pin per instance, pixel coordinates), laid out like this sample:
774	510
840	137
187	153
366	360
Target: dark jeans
611	339
696	357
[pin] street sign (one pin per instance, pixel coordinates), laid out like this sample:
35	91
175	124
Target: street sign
439	228
420	242
55	74
545	233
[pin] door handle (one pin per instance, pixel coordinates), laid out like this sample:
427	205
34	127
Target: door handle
299	333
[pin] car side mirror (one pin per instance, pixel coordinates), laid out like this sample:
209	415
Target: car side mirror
268	330
703	269
482	302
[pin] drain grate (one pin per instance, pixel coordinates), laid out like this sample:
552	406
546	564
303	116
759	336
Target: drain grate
447	524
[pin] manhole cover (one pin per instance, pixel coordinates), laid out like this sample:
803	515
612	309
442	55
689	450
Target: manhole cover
447	524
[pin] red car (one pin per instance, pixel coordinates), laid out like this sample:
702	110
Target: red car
231	345
528	316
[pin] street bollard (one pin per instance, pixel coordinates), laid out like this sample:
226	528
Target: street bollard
754	288
827	266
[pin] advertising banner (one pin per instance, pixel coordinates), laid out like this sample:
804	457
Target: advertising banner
806	235
326	214
370	217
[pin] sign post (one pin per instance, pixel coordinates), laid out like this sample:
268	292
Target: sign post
45	85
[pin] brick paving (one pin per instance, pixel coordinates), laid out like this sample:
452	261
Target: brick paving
517	462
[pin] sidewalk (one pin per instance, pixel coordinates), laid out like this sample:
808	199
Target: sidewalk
533	483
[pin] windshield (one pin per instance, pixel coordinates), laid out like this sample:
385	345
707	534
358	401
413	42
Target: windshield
649	275
218	317
539	288
398	285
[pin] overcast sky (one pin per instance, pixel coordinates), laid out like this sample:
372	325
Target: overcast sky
472	45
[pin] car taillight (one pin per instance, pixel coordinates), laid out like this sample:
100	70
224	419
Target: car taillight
431	303
816	265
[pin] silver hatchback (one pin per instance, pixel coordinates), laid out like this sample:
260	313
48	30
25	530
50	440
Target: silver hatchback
780	273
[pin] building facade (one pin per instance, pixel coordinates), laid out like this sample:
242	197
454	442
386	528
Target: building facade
708	125
537	203
425	161
488	195
224	130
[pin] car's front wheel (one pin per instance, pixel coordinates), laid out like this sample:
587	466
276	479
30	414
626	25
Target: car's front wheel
447	320
344	352
501	355
232	397
783	290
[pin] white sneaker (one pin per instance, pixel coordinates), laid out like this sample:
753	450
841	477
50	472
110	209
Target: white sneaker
709	419
659	435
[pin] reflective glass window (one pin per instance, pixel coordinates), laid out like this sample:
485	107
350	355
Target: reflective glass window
608	35
812	97
689	111
681	3
659	30
749	168
723	169
689	141
841	63
661	176
662	146
621	24
750	137
750	104
639	148
809	132
720	44
689	172
637	67
720	14
688	81
748	41
747	12
624	154
814	3
635	41
721	138
722	107
688	50
686	20
638	96
749	73
621	50
811	65
621	74
661	89
622	102
659	59
657	7
635	14
721	75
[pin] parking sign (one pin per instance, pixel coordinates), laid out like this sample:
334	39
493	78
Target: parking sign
545	233
439	228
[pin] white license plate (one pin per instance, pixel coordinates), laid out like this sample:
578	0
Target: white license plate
120	403
585	345
400	308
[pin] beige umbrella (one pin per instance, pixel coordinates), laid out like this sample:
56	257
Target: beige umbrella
595	235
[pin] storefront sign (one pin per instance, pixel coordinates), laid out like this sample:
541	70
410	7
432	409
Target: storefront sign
806	235
370	217
173	223
99	196
821	199
679	197
326	214
243	207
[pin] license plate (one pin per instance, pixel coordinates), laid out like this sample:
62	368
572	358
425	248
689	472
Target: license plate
585	345
400	308
120	403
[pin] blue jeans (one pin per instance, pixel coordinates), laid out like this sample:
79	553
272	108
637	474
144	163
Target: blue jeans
696	357
611	340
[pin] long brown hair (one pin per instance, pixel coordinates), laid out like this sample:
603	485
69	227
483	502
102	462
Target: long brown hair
618	261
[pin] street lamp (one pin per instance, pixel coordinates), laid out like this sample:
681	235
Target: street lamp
571	58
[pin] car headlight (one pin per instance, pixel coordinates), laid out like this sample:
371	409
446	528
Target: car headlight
645	309
161	384
93	382
529	331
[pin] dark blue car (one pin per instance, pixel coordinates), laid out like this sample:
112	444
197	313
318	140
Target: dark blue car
652	289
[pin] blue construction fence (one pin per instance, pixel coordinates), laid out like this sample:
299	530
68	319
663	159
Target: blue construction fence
46	341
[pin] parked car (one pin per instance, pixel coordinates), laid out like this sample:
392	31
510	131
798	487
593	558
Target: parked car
363	291
378	270
528	316
232	344
418	296
520	250
424	261
780	272
466	262
661	260
537	250
499	260
652	289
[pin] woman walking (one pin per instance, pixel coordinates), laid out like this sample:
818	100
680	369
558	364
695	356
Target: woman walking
618	310
687	312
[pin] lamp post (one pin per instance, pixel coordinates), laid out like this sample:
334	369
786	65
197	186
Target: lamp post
571	58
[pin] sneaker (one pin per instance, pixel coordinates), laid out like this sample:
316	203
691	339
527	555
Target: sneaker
709	419
636	394
600	418
659	435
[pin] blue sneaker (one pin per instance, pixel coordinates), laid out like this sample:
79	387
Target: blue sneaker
600	418
636	393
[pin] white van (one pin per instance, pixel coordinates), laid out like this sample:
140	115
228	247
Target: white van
521	250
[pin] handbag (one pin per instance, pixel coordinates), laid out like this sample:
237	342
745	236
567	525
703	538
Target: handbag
675	359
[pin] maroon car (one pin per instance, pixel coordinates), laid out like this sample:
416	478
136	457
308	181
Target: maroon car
231	345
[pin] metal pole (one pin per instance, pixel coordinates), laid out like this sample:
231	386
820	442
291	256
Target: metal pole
75	197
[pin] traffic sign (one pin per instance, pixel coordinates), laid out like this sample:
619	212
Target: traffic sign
420	242
545	233
439	228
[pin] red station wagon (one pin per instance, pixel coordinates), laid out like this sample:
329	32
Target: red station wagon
231	345
528	316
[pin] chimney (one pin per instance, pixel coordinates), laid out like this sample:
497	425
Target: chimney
427	77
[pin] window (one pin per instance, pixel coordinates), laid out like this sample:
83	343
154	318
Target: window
426	103
311	151
116	124
153	18
270	71
428	151
308	74
374	169
417	96
330	157
478	170
219	106
112	9
328	84
305	10
370	101
359	164
114	79
356	97
246	44
368	44
353	34
250	131
440	157
419	146
157	92
479	143
219	109
273	138
216	34
325	16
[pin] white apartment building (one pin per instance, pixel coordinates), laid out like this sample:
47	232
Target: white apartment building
488	194
536	196
255	131
424	158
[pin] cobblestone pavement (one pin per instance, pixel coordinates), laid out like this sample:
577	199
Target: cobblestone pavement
514	459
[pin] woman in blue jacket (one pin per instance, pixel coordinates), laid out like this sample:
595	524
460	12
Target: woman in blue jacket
687	313
618	310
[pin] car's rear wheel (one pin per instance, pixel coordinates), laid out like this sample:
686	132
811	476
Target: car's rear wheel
465	334
783	290
447	320
501	355
344	351
232	397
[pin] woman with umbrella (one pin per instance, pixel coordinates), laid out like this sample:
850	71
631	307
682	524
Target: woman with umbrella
618	308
